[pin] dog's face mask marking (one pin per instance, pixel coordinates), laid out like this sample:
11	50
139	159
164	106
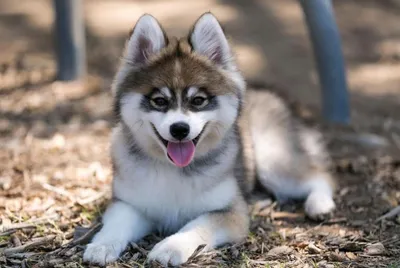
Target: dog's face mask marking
179	119
178	97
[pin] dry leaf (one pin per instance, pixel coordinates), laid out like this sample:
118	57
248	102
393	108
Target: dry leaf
375	249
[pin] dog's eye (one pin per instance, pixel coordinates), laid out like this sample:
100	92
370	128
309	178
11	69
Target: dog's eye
159	102
198	101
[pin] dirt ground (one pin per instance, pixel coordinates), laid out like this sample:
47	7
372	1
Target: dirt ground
54	168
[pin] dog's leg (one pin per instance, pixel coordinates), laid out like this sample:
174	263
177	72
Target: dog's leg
211	229
121	224
316	189
319	202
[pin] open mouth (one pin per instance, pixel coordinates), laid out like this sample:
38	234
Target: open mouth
180	153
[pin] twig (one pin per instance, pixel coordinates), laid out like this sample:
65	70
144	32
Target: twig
259	262
366	256
91	199
54	252
51	262
391	214
39	242
286	215
15	240
128	266
264	211
7	233
59	191
390	240
84	239
21	225
23	255
141	250
15	261
23	263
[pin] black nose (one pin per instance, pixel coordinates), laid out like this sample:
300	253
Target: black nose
179	130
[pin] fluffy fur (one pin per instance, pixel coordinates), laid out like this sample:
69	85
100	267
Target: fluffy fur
237	138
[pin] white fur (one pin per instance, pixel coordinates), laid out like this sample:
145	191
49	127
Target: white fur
141	181
192	91
121	224
316	190
146	28
166	91
139	121
318	205
284	188
275	154
319	202
177	248
139	212
208	39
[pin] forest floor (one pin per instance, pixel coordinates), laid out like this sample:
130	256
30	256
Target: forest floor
55	170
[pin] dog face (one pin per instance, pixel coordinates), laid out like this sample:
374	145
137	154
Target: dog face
178	98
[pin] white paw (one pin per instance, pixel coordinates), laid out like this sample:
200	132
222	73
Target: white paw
175	249
319	205
103	253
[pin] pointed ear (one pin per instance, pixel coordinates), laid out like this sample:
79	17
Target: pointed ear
147	39
208	39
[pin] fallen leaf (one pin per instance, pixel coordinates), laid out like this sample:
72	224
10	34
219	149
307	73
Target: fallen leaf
337	257
280	251
313	249
325	264
351	255
375	249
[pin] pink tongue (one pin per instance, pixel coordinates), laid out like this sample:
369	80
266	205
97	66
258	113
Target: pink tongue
181	153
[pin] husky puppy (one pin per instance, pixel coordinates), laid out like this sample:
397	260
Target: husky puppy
189	144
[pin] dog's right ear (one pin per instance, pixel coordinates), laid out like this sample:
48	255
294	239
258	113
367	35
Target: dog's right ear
146	40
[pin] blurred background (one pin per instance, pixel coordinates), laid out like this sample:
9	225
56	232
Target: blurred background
270	38
54	136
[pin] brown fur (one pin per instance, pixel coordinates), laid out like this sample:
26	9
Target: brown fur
234	221
165	69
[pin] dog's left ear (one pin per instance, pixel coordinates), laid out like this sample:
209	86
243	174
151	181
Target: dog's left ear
208	39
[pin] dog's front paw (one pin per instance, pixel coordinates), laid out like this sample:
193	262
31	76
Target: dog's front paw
102	253
175	249
319	206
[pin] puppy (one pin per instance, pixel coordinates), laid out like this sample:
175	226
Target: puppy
189	143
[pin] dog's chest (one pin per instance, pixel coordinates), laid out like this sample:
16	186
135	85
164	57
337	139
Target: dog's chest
169	198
